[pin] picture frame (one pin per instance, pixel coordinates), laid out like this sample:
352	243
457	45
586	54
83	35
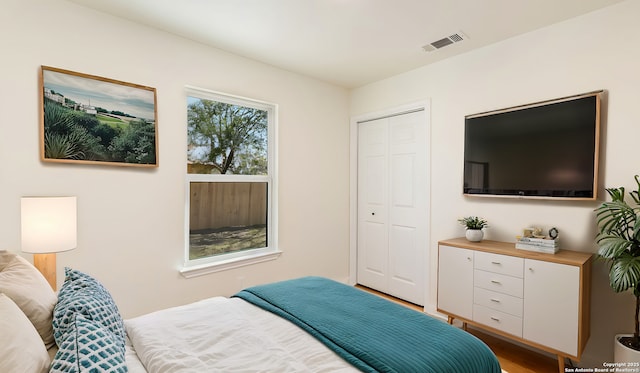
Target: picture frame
95	120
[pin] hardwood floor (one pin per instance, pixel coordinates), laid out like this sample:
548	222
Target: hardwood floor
513	358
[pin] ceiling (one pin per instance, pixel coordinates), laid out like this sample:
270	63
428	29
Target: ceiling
345	42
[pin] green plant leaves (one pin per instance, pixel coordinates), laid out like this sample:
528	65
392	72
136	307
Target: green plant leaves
619	242
624	272
473	222
618	218
619	238
612	247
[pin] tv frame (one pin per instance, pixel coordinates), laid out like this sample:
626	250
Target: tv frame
598	96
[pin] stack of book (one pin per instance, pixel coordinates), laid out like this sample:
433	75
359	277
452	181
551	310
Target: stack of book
543	245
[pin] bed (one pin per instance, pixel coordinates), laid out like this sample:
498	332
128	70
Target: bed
310	324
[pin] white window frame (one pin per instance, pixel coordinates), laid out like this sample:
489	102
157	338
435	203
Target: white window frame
202	266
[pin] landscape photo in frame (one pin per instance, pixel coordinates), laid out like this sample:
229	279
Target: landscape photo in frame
91	119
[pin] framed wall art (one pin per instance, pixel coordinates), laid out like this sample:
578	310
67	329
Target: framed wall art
91	119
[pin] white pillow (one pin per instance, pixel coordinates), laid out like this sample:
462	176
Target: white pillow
5	258
30	291
21	348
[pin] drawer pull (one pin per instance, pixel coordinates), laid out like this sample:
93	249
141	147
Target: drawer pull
496	263
495	282
495	300
495	319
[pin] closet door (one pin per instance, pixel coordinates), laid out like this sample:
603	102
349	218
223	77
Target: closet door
407	206
392	205
373	229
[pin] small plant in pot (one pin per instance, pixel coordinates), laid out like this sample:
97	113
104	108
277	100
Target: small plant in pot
474	226
619	245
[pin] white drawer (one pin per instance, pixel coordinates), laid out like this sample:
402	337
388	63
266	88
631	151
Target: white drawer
504	264
497	320
497	282
498	301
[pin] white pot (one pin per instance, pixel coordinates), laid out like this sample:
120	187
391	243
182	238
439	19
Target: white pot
474	235
624	354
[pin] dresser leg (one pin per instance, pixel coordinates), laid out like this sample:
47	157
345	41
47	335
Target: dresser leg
560	364
450	320
464	326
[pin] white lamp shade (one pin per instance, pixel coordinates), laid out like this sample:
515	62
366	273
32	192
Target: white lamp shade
49	224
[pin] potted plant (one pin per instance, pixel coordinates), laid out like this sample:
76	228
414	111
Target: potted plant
474	225
619	245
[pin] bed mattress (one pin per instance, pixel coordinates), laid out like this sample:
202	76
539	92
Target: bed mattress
225	335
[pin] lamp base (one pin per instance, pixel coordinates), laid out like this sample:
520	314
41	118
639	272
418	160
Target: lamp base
46	264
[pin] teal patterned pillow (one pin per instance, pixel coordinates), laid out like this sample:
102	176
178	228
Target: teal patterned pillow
88	346
83	294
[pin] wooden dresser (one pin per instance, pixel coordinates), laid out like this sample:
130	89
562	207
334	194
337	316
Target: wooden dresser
538	299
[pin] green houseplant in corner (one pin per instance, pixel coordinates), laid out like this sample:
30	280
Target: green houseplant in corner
474	226
619	245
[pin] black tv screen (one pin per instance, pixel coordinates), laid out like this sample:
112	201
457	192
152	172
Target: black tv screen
543	150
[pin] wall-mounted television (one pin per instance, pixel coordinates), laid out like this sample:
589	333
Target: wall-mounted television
546	149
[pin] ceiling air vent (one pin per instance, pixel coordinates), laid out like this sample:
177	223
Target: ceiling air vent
454	38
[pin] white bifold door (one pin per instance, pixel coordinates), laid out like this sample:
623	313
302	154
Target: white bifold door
392	205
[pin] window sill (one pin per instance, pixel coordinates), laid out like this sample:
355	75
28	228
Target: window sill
223	265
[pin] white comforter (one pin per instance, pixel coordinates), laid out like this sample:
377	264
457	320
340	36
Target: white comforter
227	335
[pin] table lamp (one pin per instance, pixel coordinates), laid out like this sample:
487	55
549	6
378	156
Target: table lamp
49	225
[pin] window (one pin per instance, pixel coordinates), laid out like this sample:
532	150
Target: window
230	201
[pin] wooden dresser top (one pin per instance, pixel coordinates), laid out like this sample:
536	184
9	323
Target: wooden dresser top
577	258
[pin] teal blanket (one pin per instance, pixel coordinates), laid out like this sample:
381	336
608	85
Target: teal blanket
371	333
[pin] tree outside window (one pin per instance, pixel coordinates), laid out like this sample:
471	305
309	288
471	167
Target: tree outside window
226	139
228	174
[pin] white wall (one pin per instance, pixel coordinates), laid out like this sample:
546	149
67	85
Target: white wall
130	220
592	52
